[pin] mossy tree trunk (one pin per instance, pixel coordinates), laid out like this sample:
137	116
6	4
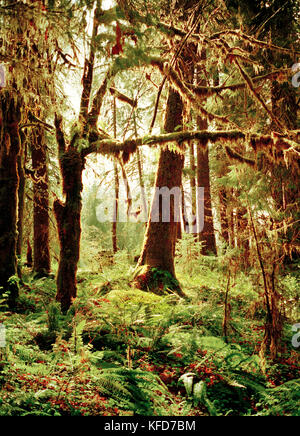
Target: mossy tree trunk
21	202
72	161
157	258
67	215
10	147
207	236
41	249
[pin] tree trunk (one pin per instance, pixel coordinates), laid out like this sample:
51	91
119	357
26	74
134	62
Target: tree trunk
10	147
144	206
41	249
223	199
117	186
69	228
29	260
184	216
158	274
21	199
243	236
115	210
139	156
193	180
207	236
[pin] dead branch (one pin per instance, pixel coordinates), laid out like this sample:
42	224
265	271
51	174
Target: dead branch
122	97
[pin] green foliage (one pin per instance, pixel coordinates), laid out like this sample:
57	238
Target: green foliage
8	296
282	400
139	391
122	351
53	315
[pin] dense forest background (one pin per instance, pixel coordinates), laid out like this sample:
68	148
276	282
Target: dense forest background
149	198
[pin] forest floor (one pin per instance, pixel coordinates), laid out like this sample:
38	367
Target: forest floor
121	351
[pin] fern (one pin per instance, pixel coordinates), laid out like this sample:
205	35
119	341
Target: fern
139	391
282	400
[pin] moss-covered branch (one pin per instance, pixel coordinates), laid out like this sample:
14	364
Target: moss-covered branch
269	144
173	31
251	40
208	91
98	100
187	93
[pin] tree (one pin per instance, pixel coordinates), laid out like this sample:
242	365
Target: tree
276	21
68	218
27	51
21	200
160	238
10	146
40	203
207	236
72	156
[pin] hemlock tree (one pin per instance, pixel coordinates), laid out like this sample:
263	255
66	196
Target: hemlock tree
158	251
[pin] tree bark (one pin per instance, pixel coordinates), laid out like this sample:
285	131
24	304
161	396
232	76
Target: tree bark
41	249
21	199
207	236
69	228
158	274
115	210
193	179
10	147
139	156
223	199
29	260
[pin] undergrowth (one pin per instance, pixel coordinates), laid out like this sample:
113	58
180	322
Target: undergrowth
121	351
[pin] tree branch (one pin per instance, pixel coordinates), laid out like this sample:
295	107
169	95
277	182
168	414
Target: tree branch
88	70
187	93
252	40
208	91
199	38
60	137
257	96
122	97
98	100
265	143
